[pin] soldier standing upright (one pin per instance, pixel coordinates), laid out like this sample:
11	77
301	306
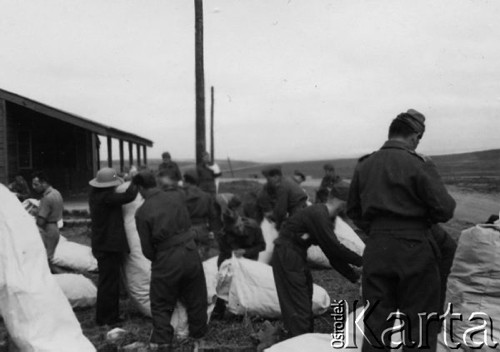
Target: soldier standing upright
395	196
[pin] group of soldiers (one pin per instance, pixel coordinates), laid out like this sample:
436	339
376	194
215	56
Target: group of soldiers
395	196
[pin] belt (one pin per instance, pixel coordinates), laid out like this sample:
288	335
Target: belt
399	223
176	240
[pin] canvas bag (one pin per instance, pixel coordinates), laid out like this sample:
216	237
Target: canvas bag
36	313
474	281
252	289
74	256
346	235
79	290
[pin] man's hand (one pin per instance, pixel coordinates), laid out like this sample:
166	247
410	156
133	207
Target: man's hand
238	253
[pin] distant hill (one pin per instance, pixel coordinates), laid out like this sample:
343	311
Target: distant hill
475	170
479	170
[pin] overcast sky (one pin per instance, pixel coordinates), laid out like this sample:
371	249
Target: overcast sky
294	79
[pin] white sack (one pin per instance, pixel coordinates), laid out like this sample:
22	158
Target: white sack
79	290
346	235
323	342
36	313
252	289
474	281
137	271
270	234
74	256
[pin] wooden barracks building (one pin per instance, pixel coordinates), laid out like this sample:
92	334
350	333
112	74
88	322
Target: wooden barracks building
34	136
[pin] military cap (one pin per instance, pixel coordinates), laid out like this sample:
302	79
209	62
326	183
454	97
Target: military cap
413	119
328	167
271	170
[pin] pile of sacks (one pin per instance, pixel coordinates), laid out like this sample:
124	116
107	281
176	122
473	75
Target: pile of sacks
35	310
79	290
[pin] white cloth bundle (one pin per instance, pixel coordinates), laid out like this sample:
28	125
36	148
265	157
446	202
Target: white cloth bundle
36	312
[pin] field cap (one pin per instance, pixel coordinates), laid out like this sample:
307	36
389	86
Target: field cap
414	119
106	177
271	170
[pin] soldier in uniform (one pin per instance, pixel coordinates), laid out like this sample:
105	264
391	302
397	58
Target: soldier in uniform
207	174
168	164
241	236
202	212
395	197
312	225
50	213
176	269
281	195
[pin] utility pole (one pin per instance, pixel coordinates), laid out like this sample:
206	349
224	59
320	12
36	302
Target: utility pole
200	82
212	145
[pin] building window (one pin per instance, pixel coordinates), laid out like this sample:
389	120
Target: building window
24	155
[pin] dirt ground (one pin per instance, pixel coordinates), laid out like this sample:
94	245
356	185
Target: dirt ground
237	333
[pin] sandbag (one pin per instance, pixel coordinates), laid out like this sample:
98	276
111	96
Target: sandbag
270	234
79	290
137	271
346	235
35	311
74	256
252	289
474	281
353	340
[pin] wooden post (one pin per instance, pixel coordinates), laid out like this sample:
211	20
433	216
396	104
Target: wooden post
96	152
138	150
130	154
212	141
145	154
110	153
122	162
200	82
4	150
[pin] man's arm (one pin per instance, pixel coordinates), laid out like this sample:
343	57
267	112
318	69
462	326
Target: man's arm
224	249
146	236
433	192
339	256
354	211
44	211
281	207
128	196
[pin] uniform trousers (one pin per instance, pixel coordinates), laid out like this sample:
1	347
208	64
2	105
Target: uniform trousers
400	271
177	274
108	287
294	285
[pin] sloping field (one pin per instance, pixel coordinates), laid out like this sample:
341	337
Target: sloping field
476	171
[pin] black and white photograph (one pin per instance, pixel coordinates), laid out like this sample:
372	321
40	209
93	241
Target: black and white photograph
260	175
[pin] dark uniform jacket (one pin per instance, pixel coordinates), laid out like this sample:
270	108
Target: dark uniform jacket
206	178
162	218
317	224
290	198
200	206
171	166
341	187
251	240
108	230
395	182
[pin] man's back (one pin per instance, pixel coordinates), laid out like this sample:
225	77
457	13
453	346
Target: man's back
199	205
397	182
166	213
